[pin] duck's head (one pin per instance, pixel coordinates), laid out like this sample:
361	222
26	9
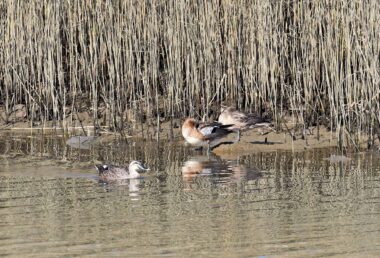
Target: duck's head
189	123
102	168
137	166
227	109
223	108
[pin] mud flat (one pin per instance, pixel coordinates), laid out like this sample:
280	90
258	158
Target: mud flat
251	141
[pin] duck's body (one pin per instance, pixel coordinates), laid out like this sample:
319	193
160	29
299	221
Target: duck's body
241	120
202	135
111	172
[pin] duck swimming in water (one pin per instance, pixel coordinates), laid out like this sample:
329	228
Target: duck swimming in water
201	135
111	172
241	120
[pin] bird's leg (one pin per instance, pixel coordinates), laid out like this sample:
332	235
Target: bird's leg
208	148
238	136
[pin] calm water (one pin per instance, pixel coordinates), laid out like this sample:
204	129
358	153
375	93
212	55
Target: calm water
277	204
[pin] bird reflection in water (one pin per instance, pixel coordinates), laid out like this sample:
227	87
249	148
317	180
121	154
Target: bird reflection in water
133	186
220	171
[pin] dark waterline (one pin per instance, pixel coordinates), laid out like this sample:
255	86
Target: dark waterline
267	204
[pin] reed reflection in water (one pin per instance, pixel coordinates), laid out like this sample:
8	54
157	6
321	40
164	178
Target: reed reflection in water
266	204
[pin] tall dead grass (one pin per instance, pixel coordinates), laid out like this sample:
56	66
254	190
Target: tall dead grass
126	61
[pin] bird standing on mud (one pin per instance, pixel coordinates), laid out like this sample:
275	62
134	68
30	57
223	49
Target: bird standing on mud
241	120
111	172
202	135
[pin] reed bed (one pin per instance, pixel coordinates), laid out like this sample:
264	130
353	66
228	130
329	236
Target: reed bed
144	61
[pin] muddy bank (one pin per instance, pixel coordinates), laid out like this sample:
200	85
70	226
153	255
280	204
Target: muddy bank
252	141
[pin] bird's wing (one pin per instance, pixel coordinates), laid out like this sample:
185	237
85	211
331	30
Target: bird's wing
201	126
217	133
239	116
258	121
206	130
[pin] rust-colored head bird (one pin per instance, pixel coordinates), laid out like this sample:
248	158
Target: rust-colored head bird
202	135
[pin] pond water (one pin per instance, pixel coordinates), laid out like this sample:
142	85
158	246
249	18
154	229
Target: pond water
278	204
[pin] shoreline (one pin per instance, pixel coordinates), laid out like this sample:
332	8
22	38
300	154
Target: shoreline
252	141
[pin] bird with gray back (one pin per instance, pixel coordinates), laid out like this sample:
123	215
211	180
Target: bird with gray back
241	120
111	172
